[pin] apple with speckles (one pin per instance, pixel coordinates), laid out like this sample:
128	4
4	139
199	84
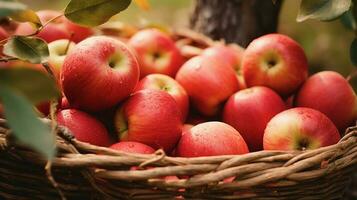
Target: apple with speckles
275	61
331	94
167	84
249	111
211	139
156	52
300	129
209	83
151	117
232	55
84	127
99	73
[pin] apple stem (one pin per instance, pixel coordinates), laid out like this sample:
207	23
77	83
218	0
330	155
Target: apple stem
68	43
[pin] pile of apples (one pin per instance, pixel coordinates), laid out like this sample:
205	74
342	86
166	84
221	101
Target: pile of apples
141	94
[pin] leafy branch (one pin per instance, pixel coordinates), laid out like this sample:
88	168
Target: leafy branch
328	10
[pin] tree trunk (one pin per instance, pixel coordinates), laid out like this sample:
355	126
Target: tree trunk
238	21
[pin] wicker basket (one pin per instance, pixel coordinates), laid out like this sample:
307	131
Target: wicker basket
84	171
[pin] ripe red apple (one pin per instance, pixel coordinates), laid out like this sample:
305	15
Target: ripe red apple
211	139
249	111
300	129
233	56
133	147
99	73
151	117
167	84
208	82
275	61
331	94
58	51
156	52
84	127
61	28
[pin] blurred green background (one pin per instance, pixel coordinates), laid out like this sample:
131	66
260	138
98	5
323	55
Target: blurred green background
326	43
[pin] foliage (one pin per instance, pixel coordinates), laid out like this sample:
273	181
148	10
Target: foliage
31	49
324	10
327	10
94	12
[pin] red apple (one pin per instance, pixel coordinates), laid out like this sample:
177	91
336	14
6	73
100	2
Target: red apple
167	84
249	111
61	28
208	82
84	127
300	129
151	117
99	73
156	52
233	56
275	61
58	50
329	93
133	147
211	139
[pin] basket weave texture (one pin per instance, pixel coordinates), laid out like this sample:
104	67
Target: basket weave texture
84	171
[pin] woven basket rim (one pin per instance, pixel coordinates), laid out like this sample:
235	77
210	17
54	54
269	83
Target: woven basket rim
262	169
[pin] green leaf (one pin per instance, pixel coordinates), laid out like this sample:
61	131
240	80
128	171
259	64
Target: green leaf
353	52
348	20
31	49
324	10
94	12
8	7
35	85
27	15
24	123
